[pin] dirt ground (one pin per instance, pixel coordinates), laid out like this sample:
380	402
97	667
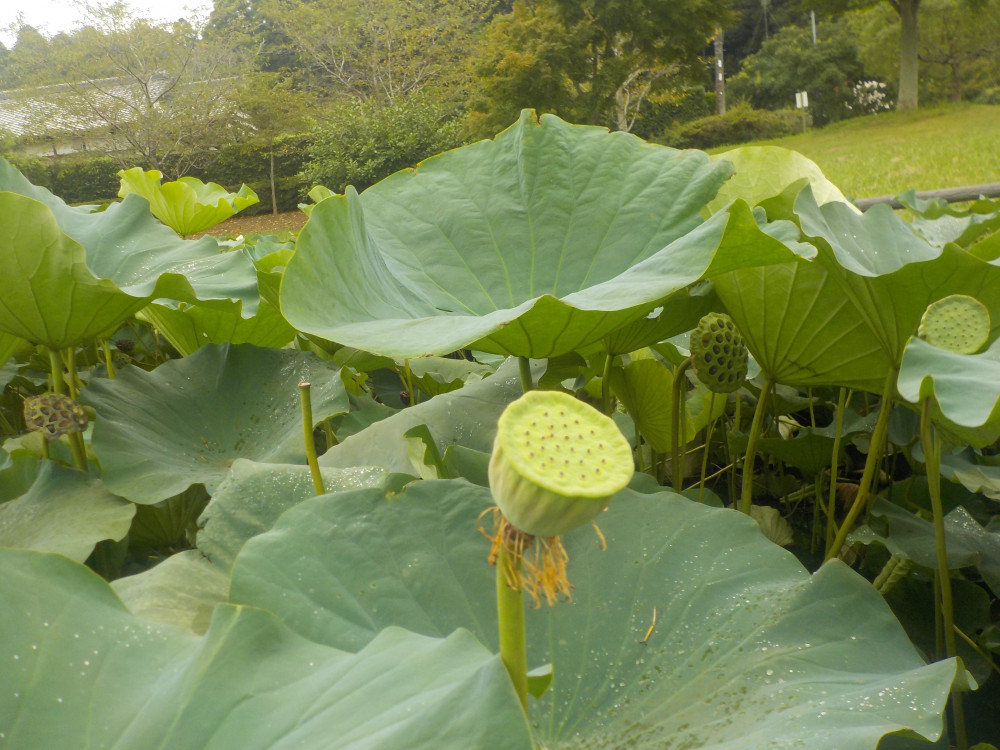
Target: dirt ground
260	223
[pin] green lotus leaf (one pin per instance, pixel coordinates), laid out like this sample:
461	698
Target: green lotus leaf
253	495
645	388
64	511
9	344
467	416
844	317
540	242
187	205
908	535
82	672
181	591
765	171
975	475
748	651
965	387
68	276
184	423
188	328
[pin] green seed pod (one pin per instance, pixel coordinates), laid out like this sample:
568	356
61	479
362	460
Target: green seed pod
719	353
53	414
556	463
958	323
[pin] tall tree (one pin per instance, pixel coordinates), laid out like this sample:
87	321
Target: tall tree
382	50
169	100
589	60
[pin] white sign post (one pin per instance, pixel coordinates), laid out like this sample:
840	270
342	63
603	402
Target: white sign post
802	102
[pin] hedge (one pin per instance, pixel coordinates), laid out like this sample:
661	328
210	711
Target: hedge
739	125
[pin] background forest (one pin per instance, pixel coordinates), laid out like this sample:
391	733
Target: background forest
287	94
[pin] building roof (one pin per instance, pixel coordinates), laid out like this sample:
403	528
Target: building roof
37	112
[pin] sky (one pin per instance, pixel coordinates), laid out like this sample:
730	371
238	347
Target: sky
53	16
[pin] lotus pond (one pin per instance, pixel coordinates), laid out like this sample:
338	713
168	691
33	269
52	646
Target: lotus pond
247	497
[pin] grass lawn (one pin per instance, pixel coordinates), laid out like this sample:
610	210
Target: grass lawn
889	153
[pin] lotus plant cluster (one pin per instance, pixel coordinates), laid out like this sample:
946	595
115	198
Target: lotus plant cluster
558	439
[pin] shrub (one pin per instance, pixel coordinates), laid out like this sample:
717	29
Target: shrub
76	178
740	124
667	109
364	142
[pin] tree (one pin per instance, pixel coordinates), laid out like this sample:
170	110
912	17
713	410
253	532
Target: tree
601	57
170	100
382	50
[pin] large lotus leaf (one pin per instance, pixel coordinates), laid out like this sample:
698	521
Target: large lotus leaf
82	672
252	497
188	328
844	317
765	171
467	416
537	243
908	535
801	328
748	649
187	205
65	511
181	591
965	387
972	472
184	423
890	273
9	344
126	246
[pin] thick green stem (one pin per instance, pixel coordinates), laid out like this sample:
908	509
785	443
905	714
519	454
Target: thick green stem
108	361
75	439
872	462
676	438
510	617
756	427
708	445
524	366
56	365
606	384
831	508
305	400
932	460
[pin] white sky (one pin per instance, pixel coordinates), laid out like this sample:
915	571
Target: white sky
53	16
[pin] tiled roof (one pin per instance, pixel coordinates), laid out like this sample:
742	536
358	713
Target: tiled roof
36	112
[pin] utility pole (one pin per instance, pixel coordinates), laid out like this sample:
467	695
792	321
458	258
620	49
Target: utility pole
720	78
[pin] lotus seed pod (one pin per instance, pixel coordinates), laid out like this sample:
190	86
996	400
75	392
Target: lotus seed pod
958	323
719	353
53	414
556	463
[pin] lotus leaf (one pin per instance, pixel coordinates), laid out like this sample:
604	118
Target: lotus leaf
187	205
763	172
540	242
748	650
63	511
159	432
188	328
82	672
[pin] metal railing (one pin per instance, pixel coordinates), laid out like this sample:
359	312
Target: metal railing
949	195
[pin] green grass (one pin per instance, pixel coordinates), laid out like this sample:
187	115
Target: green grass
890	153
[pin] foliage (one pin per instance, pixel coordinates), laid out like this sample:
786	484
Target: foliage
362	142
740	124
381	50
790	62
366	614
78	178
592	62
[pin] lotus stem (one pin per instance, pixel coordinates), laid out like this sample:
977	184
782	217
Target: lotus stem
756	427
108	361
75	439
932	460
894	570
606	384
871	467
708	444
831	511
305	400
676	408
524	366
510	619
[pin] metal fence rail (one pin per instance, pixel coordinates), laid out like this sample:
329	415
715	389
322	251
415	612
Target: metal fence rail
950	195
